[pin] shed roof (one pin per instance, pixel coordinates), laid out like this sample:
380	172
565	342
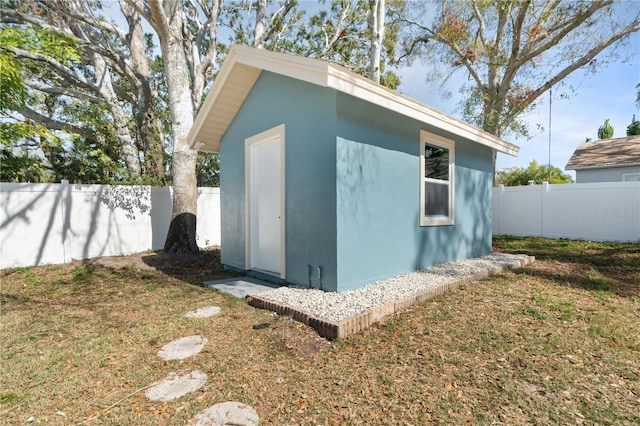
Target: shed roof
243	66
616	152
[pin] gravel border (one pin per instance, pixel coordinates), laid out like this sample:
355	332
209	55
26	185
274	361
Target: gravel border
350	311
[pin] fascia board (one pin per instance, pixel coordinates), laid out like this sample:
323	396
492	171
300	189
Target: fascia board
311	70
305	69
602	166
210	99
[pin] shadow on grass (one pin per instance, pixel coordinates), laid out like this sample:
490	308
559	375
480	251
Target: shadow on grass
192	268
77	284
600	267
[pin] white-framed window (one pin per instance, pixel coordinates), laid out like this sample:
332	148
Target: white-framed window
631	177
437	180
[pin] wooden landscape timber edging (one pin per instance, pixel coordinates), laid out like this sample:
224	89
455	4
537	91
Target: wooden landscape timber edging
336	330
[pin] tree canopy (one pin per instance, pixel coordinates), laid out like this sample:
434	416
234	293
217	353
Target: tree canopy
520	176
513	51
77	84
633	129
606	130
122	101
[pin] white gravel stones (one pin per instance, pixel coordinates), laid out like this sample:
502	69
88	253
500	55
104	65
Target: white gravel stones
176	385
226	413
338	306
205	312
182	348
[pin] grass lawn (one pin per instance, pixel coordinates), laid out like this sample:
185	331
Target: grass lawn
557	342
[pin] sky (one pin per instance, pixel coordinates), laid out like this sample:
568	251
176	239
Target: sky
610	93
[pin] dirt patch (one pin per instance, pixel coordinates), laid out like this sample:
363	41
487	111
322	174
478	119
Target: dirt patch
158	260
188	267
294	336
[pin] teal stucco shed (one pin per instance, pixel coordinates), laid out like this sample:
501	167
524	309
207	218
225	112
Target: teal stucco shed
332	181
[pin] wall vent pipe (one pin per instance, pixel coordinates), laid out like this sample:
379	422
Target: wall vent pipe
319	275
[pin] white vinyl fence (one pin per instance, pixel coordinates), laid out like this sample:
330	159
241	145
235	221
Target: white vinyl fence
608	211
56	223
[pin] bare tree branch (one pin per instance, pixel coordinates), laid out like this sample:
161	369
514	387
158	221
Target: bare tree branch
482	30
65	72
516	37
12	16
330	43
423	39
414	43
144	11
588	57
205	7
84	16
517	33
568	25
211	27
63	91
53	124
462	57
270	29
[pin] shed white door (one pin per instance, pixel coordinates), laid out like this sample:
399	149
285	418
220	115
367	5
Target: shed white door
265	205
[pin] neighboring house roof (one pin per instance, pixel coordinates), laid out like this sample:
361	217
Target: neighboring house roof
618	152
243	65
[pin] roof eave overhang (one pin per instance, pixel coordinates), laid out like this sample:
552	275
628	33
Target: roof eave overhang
245	58
243	65
352	84
601	166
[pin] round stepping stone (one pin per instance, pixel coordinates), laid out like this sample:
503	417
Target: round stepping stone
226	413
206	312
176	385
182	348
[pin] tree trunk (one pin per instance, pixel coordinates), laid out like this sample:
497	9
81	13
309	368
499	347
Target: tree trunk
261	17
151	137
120	119
491	126
376	31
181	237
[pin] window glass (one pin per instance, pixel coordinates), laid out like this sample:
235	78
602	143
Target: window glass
631	177
436	162
436	198
436	193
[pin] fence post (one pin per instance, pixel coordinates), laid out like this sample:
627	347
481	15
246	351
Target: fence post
543	196
65	199
500	208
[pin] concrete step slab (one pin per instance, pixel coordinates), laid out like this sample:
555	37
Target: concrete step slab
241	287
176	385
226	413
182	348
